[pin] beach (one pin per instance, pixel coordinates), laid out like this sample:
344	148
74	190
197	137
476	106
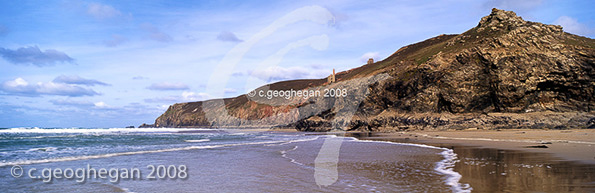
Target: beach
262	160
570	145
513	160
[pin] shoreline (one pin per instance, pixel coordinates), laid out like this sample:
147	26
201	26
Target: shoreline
563	145
576	145
511	160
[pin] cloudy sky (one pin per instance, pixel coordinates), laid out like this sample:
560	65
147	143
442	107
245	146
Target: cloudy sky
120	63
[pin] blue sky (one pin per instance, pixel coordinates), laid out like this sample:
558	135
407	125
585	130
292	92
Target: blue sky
120	63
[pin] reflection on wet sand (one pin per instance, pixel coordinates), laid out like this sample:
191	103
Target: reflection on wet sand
517	171
497	170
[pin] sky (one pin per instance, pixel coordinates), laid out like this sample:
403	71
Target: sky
120	63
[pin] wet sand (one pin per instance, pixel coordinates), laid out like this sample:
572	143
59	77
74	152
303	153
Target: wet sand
571	145
513	160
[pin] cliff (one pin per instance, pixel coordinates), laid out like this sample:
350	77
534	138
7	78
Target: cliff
504	73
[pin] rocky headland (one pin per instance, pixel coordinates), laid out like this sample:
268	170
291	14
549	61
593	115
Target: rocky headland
504	73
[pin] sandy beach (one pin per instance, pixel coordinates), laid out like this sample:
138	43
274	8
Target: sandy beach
513	160
571	145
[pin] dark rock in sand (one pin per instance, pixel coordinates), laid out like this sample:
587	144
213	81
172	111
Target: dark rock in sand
591	123
537	146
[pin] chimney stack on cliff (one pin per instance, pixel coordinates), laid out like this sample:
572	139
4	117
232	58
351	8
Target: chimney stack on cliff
331	78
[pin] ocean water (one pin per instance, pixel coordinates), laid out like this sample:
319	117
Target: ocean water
211	160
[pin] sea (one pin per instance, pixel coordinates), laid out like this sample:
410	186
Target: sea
217	160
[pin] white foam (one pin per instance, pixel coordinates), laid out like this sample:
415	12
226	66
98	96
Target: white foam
284	155
295	141
278	142
76	158
445	166
98	130
197	140
44	149
127	190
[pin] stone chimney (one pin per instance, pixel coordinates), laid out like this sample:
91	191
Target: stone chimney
331	78
371	61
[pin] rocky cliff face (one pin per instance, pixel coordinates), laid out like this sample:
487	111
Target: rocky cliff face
503	73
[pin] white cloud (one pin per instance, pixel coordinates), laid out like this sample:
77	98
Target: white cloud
100	104
105	107
18	82
21	87
78	80
100	11
186	96
165	99
192	96
168	86
164	107
572	25
68	102
276	73
34	55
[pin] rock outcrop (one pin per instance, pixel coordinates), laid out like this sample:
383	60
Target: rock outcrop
504	73
144	125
